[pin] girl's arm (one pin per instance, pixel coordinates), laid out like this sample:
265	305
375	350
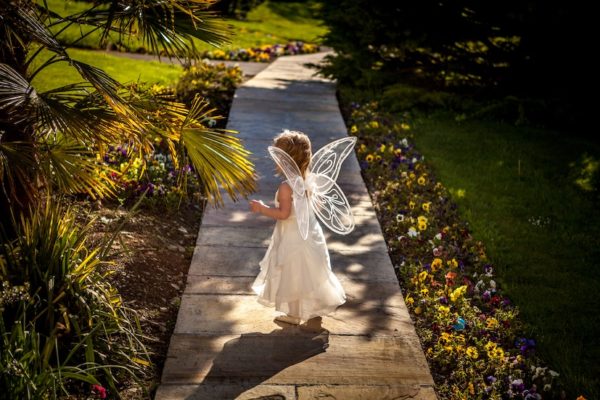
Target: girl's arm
284	197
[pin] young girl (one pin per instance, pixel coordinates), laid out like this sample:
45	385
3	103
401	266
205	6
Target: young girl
295	275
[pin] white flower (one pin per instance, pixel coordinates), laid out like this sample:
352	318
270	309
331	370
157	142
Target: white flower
554	374
493	284
404	142
438	236
547	387
400	217
412	232
414	160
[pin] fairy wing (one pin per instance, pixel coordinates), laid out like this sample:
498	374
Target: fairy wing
294	177
326	198
331	206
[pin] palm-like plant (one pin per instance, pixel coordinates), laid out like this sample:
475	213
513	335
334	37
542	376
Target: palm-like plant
51	139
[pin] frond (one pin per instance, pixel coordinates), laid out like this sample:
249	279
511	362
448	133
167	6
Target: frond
165	26
73	168
17	160
75	110
218	156
23	22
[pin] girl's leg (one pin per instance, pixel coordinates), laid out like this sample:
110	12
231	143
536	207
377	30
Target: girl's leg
293	316
294	309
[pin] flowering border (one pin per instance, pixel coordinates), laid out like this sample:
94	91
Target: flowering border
265	53
469	330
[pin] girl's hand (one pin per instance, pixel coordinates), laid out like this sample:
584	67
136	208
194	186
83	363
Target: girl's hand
256	205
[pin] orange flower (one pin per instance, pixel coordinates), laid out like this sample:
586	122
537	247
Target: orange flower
450	278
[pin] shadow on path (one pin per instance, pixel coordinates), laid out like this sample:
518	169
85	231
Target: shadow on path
255	357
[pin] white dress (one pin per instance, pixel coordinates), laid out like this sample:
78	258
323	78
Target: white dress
295	274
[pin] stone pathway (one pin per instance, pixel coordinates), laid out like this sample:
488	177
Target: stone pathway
226	345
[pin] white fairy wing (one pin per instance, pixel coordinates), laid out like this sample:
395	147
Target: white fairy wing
328	159
332	206
294	177
326	197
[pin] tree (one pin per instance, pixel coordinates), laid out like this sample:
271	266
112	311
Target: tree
51	140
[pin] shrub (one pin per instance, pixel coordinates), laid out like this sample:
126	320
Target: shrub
62	322
214	82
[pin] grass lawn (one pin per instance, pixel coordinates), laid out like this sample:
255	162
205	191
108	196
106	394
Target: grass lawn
516	188
268	23
122	69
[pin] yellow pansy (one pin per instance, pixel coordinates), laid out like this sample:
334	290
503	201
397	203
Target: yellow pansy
369	158
492	323
444	309
411	205
354	129
422	226
458	293
421	181
490	346
498	353
452	263
445	337
472	352
436	264
422	276
425	206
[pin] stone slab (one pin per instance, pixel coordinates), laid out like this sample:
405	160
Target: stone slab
290	357
224	261
369	310
366	392
364	238
226	391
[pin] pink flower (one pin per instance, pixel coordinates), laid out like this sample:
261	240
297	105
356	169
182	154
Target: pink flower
99	390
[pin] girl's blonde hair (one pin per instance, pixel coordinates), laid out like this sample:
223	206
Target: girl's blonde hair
297	145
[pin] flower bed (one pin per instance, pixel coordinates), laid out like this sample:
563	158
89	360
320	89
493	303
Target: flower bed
469	330
265	53
156	174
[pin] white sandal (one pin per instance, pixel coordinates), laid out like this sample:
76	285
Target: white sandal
288	320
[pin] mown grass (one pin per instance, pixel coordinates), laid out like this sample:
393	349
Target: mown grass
122	69
516	187
269	23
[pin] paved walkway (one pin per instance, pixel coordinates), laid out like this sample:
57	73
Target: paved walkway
226	345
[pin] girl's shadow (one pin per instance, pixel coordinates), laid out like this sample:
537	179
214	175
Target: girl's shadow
254	357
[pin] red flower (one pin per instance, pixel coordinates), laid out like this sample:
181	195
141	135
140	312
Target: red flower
99	390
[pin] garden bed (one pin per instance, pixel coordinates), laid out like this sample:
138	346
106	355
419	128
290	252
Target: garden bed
470	331
154	253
